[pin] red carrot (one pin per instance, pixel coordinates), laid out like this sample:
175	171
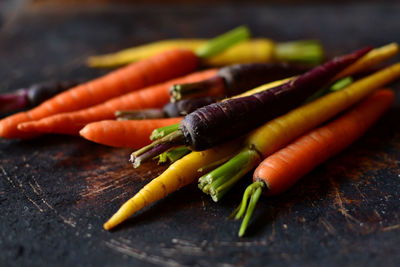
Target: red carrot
284	168
150	97
156	69
130	133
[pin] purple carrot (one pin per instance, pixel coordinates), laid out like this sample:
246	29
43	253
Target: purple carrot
33	95
223	121
235	79
170	110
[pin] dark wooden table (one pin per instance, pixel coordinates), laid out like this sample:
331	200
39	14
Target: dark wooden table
57	191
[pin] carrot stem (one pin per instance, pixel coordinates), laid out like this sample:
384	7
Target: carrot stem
255	193
218	182
159	146
307	51
214	86
173	155
222	42
163	131
342	83
151	113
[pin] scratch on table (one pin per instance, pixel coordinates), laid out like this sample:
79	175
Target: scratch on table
329	227
36	188
13	184
206	243
271	237
361	193
342	209
64	219
140	255
392	227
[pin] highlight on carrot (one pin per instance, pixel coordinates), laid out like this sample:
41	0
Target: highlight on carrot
223	121
278	132
236	79
33	95
146	72
129	133
284	168
255	50
72	122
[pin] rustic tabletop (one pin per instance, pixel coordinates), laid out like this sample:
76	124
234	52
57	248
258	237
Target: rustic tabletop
57	191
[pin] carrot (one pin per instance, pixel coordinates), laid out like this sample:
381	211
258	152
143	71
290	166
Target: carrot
156	69
278	132
150	97
33	95
275	134
284	168
226	120
129	133
255	50
141	52
235	79
170	110
178	174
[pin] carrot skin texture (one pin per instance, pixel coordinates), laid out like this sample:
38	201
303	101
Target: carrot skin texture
312	149
156	69
130	133
223	121
178	174
72	122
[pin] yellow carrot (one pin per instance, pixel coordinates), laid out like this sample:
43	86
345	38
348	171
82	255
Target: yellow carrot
256	50
373	57
179	174
137	53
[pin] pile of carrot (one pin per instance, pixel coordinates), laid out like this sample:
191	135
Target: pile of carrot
271	127
240	156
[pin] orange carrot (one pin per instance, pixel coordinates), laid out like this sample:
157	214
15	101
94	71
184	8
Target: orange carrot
130	133
285	167
150	71
151	97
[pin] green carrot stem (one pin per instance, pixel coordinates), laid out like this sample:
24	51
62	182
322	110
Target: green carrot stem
307	51
255	196
163	131
341	84
219	181
213	86
222	42
336	86
173	155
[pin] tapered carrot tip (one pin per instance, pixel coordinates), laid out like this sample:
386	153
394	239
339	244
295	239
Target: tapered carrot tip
8	126
121	215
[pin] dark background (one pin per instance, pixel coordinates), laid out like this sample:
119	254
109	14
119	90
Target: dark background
57	191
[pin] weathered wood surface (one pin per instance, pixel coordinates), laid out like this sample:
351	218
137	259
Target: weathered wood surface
56	191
